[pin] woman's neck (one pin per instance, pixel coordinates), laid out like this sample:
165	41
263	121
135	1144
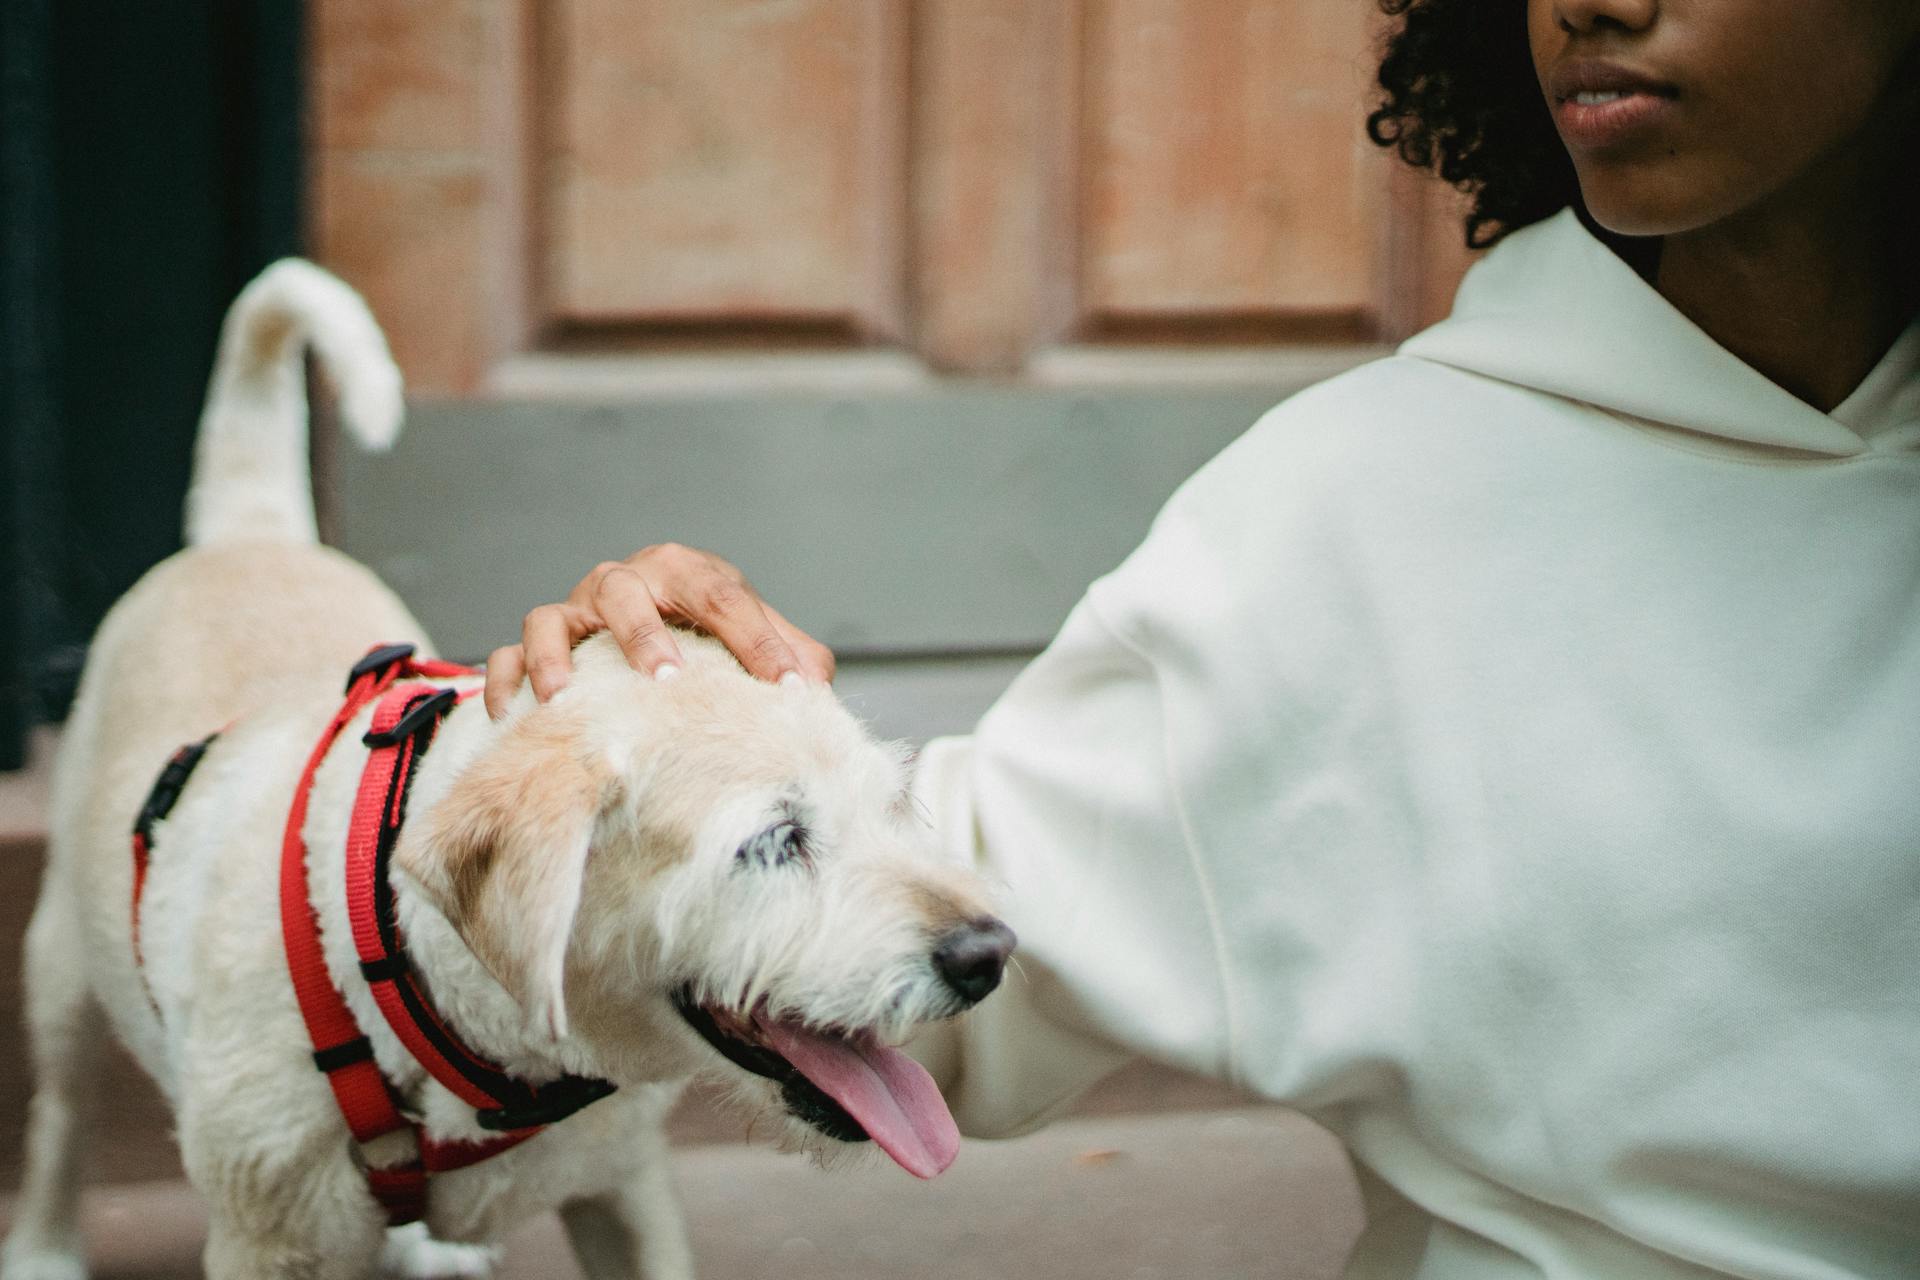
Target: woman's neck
1811	286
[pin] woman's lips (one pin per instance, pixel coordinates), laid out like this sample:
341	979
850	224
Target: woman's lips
1600	106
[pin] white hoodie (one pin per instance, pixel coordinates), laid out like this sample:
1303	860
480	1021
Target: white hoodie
1507	753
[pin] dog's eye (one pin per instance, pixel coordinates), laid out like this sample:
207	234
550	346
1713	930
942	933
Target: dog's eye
782	844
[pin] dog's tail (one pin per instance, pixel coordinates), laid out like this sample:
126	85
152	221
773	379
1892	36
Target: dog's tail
250	474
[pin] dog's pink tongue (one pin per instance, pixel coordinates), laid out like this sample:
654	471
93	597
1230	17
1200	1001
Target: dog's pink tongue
890	1094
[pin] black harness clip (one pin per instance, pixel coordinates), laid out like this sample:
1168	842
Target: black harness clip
548	1105
168	786
377	661
421	714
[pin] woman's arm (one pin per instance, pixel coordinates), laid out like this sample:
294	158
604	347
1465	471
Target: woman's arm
1067	798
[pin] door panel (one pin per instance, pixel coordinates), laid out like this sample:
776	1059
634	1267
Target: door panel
993	147
1226	173
416	130
717	161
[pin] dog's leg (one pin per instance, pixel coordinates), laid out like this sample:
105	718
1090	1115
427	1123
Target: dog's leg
297	1238
411	1253
285	1203
634	1233
67	1030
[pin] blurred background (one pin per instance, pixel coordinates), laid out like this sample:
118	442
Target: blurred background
914	309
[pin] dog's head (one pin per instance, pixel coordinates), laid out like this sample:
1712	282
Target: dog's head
714	874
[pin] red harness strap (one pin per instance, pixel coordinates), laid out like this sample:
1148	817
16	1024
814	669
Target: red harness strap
403	726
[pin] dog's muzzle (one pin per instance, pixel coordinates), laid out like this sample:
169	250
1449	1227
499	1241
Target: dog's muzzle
846	1085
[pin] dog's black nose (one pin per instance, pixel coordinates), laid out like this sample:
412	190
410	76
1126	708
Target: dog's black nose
972	957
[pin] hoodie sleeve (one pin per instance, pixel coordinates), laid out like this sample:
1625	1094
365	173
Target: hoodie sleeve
1066	799
1155	796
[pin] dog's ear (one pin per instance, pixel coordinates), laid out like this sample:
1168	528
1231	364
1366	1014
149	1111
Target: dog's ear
504	855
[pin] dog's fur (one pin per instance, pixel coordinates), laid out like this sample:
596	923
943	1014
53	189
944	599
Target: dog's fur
543	957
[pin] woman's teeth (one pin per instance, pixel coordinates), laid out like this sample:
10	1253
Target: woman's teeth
1591	99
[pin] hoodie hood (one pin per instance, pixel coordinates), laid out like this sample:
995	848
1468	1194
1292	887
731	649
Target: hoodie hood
1553	309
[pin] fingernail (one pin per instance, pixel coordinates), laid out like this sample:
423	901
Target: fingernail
666	671
793	679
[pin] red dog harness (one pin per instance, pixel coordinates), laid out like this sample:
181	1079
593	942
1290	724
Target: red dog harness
404	725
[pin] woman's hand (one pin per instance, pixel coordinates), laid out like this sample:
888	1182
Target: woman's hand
635	599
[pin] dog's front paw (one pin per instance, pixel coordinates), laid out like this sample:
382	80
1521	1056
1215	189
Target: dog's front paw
411	1253
21	1263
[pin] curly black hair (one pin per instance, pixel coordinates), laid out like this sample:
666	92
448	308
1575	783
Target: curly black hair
1462	101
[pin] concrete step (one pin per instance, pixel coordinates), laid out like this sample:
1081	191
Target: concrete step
1215	1195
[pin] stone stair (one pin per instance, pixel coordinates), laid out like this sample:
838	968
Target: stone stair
1214	1195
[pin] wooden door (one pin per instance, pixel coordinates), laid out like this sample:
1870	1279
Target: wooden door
917	308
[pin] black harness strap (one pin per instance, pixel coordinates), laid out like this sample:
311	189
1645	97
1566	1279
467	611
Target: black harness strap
159	803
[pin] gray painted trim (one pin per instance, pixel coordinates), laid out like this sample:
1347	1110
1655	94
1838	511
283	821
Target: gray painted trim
917	699
956	519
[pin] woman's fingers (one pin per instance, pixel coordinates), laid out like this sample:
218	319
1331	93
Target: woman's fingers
816	660
547	638
728	610
625	603
506	668
582	593
701	589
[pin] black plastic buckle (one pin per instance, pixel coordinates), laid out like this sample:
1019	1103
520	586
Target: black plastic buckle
549	1105
418	717
377	662
169	785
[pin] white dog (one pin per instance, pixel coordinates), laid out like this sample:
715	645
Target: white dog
600	897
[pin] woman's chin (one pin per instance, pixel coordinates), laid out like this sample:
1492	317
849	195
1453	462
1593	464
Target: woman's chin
1654	199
